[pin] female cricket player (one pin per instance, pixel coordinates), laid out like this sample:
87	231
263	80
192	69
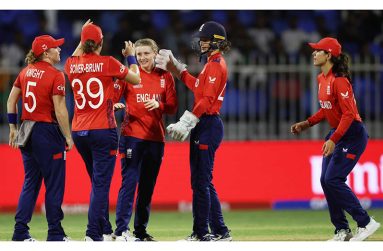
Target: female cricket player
94	126
42	136
142	140
345	142
205	126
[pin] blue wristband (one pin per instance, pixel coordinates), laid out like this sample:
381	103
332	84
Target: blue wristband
12	118
131	60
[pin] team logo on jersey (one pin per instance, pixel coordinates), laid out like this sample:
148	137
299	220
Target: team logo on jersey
344	95
162	83
117	86
196	83
212	80
122	68
328	92
129	153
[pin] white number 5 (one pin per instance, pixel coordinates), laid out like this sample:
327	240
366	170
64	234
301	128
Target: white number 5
29	93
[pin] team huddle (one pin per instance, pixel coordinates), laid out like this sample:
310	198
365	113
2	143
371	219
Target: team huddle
99	83
146	83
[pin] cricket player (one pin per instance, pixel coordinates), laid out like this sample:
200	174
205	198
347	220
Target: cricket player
345	142
142	140
42	136
94	126
205	126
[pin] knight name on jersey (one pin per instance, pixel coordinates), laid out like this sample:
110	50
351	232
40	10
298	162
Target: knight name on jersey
81	68
146	96
325	104
34	73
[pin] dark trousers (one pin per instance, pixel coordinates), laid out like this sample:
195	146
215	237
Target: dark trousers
98	149
44	159
335	169
140	163
205	139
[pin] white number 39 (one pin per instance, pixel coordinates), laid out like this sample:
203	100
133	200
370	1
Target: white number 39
92	95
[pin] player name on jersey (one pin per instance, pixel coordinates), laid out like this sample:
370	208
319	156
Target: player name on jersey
34	73
81	68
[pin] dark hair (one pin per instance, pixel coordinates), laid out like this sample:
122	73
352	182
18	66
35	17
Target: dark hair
224	46
341	66
90	46
31	58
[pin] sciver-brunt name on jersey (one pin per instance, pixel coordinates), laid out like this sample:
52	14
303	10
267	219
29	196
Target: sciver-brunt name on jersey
81	68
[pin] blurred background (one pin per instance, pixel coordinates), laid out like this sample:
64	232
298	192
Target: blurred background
271	85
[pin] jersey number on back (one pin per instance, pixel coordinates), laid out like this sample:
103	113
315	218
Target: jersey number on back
99	94
29	93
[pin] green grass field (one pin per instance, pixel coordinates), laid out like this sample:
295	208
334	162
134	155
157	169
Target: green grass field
255	225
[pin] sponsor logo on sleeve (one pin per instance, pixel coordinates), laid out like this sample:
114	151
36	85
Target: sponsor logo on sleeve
212	80
344	95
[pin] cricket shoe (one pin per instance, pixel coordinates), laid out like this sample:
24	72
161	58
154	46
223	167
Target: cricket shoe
363	233
224	237
145	237
30	239
87	238
126	236
194	237
342	235
108	237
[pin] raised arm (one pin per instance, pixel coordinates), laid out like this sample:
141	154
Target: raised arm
129	53
78	51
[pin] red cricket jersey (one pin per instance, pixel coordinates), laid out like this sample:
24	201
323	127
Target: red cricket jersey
139	122
209	87
91	77
337	102
38	83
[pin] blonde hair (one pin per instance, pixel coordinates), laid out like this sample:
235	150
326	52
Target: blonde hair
147	42
31	58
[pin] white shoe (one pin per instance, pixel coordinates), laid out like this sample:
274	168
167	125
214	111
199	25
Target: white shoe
87	238
66	239
126	236
363	233
30	239
342	235
108	237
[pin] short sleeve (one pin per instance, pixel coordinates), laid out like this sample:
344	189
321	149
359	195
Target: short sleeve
59	84
17	82
116	69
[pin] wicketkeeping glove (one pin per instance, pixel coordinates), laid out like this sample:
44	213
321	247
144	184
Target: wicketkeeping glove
166	61
180	130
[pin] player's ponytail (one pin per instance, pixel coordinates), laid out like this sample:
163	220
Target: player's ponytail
341	66
90	46
31	58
